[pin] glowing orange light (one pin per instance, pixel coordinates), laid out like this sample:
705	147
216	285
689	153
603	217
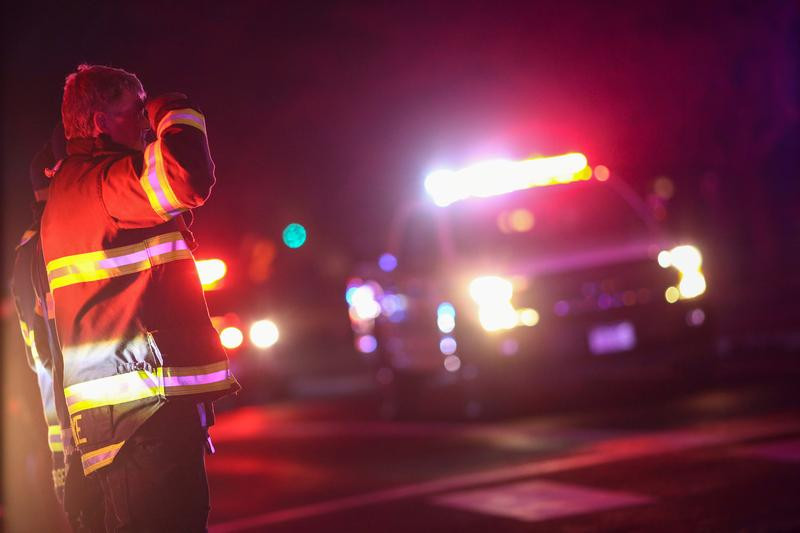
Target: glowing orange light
211	272
521	220
231	337
602	173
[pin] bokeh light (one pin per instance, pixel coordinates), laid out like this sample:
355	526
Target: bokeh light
366	343
387	262
521	220
527	317
696	317
664	259
231	337
509	347
448	345
601	173
446	308
490	288
672	294
493	296
364	302
561	308
686	258
294	235
446	323
264	333
211	272
452	363
692	284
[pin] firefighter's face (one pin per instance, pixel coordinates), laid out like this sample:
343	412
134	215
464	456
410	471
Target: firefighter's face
126	122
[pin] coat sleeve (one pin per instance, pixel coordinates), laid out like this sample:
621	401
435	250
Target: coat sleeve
22	293
174	174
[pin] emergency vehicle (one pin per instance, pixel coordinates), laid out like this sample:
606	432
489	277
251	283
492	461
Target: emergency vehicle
519	274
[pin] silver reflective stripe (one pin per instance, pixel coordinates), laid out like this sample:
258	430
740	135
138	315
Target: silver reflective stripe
188	117
140	384
104	264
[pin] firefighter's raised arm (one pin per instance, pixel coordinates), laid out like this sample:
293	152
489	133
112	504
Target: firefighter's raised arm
175	172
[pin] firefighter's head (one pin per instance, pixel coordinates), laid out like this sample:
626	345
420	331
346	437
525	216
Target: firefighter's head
45	163
101	100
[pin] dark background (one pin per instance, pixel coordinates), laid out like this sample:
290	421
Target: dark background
330	114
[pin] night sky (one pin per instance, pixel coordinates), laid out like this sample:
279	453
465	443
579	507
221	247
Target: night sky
330	114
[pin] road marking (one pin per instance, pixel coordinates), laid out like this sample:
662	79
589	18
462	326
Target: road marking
534	501
615	449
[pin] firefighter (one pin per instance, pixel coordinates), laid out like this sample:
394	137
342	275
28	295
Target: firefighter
141	361
32	322
78	495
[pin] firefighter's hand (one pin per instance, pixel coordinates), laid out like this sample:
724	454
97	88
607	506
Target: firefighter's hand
156	107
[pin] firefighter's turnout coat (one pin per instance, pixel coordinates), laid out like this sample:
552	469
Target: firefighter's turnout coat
130	313
32	314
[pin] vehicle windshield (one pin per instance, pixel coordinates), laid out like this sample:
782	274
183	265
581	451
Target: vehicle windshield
543	221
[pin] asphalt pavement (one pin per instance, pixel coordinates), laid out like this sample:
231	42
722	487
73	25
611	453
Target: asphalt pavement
722	458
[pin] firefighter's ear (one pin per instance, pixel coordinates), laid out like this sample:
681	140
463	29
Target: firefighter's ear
100	122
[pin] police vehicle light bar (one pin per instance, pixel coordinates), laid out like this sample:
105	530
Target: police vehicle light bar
500	176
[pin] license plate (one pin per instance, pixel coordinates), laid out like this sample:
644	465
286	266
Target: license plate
612	338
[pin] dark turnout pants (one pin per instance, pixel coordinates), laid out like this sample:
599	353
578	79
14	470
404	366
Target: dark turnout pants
158	481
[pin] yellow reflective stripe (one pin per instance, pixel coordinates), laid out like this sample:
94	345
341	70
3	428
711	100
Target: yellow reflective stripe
37	361
113	390
99	458
96	275
54	438
156	185
24	329
148	173
29	336
93	266
187	117
161	172
140	384
91	257
154	179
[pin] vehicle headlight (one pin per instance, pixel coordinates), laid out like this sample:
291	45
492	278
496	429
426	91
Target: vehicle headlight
495	312
365	302
488	289
264	333
688	261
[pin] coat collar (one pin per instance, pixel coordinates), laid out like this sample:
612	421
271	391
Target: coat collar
92	145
